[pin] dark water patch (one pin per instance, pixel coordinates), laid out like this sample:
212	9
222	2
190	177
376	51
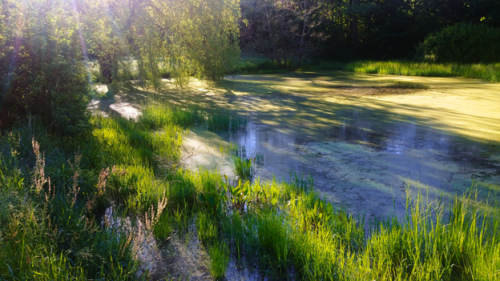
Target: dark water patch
367	161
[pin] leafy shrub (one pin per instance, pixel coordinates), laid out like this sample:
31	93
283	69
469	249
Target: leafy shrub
42	72
464	43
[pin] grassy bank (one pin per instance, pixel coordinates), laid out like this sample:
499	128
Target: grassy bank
55	193
486	72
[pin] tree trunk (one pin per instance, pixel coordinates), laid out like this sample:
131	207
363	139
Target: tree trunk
301	44
354	28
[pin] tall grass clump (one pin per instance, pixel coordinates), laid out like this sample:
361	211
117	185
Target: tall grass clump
273	235
212	193
156	115
219	259
221	120
243	168
48	224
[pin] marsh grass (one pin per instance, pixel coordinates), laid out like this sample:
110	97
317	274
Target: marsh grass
243	168
163	228
48	228
157	114
221	120
486	72
282	226
219	259
207	228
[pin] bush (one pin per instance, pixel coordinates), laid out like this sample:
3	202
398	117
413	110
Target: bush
42	73
463	43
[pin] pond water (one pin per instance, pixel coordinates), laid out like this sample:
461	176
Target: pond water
366	165
364	144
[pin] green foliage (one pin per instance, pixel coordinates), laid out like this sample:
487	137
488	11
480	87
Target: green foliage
258	65
207	228
243	168
212	196
207	36
239	194
41	68
462	43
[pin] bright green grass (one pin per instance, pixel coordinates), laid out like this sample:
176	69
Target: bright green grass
219	259
55	232
486	72
243	168
283	227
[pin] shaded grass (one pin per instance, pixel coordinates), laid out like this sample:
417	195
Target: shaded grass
47	230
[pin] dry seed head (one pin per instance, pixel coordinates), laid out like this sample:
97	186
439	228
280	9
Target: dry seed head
39	173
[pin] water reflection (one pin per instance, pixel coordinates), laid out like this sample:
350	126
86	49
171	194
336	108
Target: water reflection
367	161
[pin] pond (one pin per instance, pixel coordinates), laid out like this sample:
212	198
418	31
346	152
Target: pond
363	142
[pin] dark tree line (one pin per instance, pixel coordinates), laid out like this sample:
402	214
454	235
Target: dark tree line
353	29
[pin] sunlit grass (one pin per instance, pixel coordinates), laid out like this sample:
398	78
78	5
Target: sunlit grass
284	227
487	72
243	168
219	259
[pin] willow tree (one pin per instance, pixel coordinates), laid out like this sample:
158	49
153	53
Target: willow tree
45	46
191	37
198	37
105	27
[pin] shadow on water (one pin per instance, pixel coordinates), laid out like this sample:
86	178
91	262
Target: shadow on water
363	152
